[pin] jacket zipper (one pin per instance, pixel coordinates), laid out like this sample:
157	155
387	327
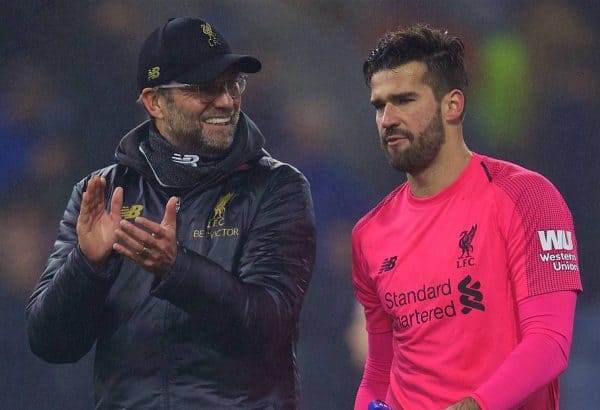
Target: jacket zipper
167	374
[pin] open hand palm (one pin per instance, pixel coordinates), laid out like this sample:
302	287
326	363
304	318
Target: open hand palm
95	226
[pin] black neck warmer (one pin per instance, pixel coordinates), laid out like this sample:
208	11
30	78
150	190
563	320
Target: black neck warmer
173	168
146	151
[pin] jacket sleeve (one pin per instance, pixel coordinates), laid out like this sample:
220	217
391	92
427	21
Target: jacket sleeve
259	304
63	310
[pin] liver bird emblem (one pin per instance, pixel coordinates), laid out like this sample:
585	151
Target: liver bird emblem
464	243
221	204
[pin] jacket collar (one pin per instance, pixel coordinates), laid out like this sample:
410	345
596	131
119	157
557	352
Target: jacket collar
247	145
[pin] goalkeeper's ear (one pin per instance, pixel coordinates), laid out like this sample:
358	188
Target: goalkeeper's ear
453	106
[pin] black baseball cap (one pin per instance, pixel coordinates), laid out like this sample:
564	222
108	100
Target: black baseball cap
188	50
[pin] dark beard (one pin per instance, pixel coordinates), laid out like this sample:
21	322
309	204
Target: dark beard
422	150
189	136
193	142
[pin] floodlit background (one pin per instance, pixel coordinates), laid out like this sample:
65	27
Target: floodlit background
67	95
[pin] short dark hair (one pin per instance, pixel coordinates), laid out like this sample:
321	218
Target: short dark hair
441	53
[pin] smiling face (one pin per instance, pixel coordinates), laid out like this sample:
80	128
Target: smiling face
408	117
199	127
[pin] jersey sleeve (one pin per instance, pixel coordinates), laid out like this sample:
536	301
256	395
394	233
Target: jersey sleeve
376	376
542	248
377	320
546	322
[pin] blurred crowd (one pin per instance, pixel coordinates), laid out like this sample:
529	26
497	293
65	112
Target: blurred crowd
67	95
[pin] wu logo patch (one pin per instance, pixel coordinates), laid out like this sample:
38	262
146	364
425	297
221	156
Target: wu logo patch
131	212
559	240
471	295
187	159
212	38
388	264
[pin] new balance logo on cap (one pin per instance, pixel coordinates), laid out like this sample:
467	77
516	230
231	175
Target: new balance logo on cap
187	159
556	239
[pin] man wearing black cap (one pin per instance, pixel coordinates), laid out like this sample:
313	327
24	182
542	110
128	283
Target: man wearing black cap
187	260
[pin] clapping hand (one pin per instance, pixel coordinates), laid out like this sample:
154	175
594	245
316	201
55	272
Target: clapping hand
96	226
465	404
151	245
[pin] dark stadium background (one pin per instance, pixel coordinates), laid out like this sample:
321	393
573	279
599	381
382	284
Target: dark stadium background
67	94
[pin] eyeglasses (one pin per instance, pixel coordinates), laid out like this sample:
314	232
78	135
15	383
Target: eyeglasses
210	91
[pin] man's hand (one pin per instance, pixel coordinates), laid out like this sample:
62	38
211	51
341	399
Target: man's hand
95	226
152	246
465	404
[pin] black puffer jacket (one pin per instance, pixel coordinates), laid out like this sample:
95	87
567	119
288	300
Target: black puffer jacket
220	331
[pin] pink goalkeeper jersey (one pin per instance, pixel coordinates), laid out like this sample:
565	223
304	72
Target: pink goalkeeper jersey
445	273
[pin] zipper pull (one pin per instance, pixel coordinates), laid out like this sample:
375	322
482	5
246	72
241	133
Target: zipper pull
178	221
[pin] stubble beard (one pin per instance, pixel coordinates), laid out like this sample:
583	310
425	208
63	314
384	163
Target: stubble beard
422	149
189	135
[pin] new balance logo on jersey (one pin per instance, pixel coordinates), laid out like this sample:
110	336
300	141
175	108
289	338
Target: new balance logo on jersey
388	264
187	159
471	296
556	239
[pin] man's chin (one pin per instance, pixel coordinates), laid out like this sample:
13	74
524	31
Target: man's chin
220	138
400	163
216	145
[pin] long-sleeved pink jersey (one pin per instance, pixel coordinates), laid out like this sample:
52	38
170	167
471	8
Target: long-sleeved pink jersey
446	274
